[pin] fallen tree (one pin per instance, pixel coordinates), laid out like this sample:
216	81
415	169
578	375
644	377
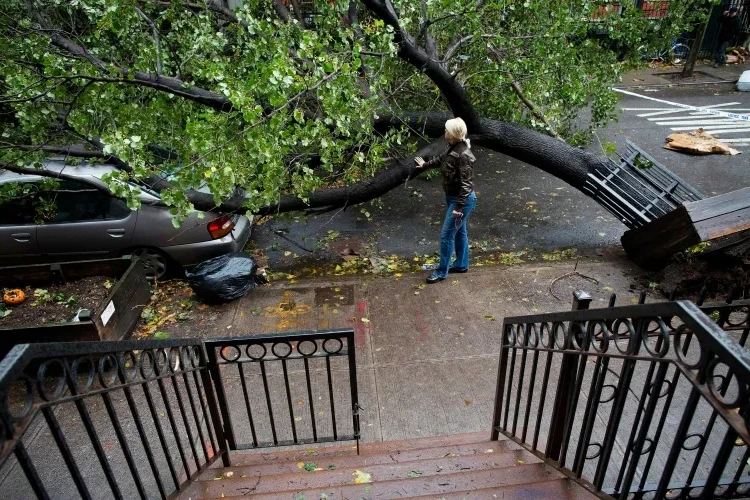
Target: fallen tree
304	115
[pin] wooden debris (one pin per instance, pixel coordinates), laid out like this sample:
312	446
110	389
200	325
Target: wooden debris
698	143
737	55
709	220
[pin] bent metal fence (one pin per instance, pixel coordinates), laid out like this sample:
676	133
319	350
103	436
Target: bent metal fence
143	419
650	401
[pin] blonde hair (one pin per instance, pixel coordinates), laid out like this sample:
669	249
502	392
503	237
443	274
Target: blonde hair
456	127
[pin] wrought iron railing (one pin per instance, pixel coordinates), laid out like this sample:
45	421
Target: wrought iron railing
139	419
297	389
106	419
650	401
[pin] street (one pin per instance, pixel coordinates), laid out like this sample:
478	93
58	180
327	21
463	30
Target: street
520	208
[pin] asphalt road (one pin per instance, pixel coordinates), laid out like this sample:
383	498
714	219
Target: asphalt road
520	207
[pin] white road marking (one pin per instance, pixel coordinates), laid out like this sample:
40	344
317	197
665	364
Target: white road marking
701	116
687	106
701	123
713	127
678	110
716	119
727	131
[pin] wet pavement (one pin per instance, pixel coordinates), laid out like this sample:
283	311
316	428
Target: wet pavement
426	354
520	208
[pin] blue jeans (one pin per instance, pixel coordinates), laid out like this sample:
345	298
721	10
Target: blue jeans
454	236
721	55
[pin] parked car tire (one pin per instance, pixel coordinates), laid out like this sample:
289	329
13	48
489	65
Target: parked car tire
155	263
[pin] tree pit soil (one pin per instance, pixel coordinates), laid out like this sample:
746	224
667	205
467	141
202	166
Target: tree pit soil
59	304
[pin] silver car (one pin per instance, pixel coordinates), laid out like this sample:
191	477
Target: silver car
79	222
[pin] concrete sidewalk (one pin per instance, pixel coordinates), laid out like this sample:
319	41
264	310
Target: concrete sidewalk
426	354
666	75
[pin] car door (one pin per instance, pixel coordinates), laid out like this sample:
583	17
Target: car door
18	236
86	223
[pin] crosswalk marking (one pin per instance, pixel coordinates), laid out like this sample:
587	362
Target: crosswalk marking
728	131
680	119
698	123
713	127
678	110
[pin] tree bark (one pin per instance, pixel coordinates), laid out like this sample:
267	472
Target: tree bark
687	70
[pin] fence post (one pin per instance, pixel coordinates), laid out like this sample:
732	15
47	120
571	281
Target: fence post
564	396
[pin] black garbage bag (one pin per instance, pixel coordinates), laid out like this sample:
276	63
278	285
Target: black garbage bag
224	278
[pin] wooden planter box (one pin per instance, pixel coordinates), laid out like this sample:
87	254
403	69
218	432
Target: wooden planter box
113	319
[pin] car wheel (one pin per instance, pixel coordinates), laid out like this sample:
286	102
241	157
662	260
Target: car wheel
153	261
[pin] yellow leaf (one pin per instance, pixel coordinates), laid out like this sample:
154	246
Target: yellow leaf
416	293
229	474
337	289
398	275
287	253
437	302
365	320
520	461
301	465
361	477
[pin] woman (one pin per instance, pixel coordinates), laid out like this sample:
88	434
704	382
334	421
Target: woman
456	169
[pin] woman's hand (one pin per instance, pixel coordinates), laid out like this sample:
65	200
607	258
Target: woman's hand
458	214
419	161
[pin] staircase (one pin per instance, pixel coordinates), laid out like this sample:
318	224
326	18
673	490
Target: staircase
458	466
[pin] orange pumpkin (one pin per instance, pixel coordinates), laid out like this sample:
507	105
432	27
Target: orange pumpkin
12	297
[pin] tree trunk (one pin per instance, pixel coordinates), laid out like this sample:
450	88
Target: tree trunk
557	158
687	71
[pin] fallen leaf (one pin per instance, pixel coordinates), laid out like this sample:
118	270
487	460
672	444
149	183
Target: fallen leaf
520	461
365	320
468	402
229	474
361	477
489	317
414	473
287	253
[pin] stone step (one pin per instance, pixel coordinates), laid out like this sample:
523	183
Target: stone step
459	466
417	470
313	452
273	467
436	486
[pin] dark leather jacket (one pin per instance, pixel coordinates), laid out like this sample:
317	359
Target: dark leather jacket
729	28
456	167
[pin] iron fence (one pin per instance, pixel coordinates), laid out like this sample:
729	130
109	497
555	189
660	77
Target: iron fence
650	401
710	45
139	419
106	419
288	388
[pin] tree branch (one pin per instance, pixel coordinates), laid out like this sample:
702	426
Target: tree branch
298	14
534	109
157	40
455	95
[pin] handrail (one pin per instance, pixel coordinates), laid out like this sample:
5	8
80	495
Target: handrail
132	418
618	375
294	360
156	378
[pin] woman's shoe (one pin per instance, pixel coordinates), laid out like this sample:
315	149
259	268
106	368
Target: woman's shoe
434	278
458	270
